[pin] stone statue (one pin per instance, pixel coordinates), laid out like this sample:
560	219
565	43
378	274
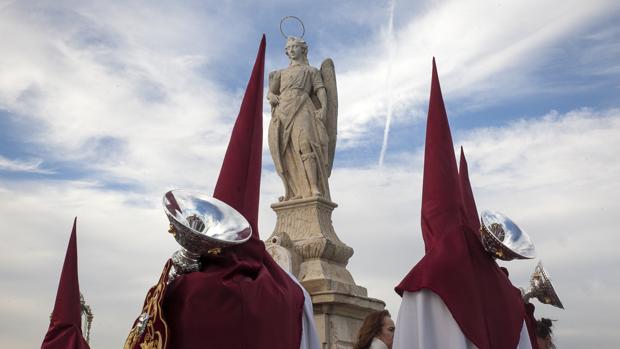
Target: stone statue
302	142
302	131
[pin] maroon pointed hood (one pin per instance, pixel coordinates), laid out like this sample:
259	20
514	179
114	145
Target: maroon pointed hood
64	331
481	299
239	181
241	298
441	196
469	204
503	294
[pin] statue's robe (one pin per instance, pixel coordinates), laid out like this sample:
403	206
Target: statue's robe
293	126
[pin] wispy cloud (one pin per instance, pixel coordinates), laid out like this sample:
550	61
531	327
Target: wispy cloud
29	166
486	53
114	93
391	47
119	95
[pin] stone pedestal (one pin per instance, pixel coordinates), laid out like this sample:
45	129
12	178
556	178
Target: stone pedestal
304	243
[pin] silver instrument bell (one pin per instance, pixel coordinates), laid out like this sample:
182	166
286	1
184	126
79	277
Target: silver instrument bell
503	238
202	225
541	288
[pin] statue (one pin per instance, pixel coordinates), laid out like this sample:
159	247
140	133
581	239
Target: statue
302	130
302	142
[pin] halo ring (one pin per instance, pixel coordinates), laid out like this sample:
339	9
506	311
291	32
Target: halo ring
303	28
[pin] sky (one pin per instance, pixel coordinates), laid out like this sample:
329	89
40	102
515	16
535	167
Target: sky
104	106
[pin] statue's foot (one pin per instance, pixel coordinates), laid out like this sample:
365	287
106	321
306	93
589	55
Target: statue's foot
281	198
316	193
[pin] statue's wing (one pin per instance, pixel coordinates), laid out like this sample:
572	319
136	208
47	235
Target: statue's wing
328	73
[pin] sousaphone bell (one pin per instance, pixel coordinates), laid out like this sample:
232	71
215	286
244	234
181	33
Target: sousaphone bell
541	288
503	239
202	225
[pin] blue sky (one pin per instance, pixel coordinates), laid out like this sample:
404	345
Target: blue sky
104	106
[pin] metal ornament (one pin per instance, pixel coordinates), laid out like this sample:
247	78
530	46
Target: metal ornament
541	288
86	318
303	28
503	238
143	320
203	226
87	314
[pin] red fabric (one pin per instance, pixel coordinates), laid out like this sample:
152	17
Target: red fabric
64	331
530	321
487	308
500	296
469	204
241	298
155	333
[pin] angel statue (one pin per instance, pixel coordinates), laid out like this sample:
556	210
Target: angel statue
302	130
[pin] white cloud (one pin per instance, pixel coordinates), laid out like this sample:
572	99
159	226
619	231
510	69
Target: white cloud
485	52
95	74
555	176
129	94
118	95
30	166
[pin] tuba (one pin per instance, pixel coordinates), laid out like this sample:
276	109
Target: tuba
503	239
541	288
202	225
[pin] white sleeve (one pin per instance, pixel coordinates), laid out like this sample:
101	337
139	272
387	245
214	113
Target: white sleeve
424	321
524	339
309	336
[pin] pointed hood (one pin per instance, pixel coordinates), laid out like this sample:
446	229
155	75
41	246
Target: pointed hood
469	204
440	189
239	182
249	298
481	299
64	331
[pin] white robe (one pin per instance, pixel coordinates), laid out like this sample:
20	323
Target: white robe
309	336
425	322
377	344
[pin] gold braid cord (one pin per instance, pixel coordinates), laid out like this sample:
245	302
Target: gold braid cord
150	330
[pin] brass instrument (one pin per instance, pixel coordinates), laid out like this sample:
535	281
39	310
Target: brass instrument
541	288
503	238
202	225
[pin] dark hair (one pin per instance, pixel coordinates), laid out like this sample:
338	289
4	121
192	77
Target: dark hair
370	328
543	329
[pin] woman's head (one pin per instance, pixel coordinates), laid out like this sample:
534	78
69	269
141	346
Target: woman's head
543	334
377	324
296	49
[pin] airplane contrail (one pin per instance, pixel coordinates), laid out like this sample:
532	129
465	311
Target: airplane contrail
391	49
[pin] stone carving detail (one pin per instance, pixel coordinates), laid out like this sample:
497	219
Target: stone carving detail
304	242
302	141
302	130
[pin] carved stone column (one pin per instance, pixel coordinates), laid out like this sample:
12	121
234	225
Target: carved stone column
304	242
